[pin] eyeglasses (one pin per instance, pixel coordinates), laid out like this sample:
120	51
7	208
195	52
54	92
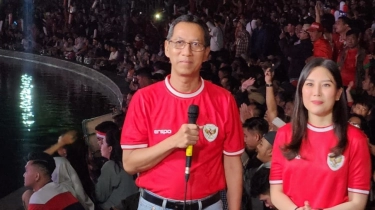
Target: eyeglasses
355	124
194	46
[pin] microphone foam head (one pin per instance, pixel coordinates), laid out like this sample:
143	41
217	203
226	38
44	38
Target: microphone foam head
193	109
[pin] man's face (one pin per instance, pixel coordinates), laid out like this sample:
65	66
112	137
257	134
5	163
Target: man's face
291	28
351	41
297	30
30	175
251	139
340	26
186	62
366	84
264	149
100	136
267	200
142	81
303	35
362	110
315	35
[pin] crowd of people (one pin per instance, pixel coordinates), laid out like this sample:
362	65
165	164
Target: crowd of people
278	59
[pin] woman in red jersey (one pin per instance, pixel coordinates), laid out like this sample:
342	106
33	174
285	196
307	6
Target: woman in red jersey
320	161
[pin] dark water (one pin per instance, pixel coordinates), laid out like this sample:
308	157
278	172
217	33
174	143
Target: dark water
36	104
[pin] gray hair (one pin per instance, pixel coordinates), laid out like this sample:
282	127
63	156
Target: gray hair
191	19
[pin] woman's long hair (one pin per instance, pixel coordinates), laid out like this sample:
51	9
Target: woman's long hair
300	114
112	138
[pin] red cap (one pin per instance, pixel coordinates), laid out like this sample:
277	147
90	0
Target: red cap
316	27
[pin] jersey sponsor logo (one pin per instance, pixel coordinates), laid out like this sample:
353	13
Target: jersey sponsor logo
162	131
210	132
335	163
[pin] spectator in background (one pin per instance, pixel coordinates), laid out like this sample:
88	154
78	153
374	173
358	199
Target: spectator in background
342	26
353	60
144	77
46	194
114	184
260	187
299	53
322	48
217	39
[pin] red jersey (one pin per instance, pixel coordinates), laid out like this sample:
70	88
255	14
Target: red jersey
322	49
338	45
316	177
53	197
158	111
348	69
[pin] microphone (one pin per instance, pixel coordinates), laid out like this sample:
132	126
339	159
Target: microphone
193	113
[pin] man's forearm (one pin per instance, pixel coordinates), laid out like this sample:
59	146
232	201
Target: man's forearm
233	176
139	160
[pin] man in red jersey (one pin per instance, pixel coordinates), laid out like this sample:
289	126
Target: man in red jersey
156	133
353	60
46	194
322	48
339	38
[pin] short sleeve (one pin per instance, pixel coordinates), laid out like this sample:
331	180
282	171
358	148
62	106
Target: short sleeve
234	139
359	179
278	159
134	131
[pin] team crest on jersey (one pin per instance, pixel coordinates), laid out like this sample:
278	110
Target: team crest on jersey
210	132
335	163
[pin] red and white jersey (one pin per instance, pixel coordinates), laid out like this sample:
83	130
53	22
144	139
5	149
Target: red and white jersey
158	111
53	197
316	177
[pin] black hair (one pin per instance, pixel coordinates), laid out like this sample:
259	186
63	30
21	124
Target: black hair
227	70
44	161
191	19
354	32
364	101
112	138
345	20
258	124
300	114
106	126
260	183
144	72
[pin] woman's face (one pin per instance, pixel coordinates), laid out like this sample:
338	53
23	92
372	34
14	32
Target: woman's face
105	150
319	92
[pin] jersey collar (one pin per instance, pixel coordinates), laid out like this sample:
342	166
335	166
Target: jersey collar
320	129
183	95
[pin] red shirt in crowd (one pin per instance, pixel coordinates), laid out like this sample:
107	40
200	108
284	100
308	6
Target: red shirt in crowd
314	175
338	45
158	111
348	69
322	49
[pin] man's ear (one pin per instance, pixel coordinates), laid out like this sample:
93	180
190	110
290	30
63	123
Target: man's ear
369	112
166	48
37	176
206	53
269	152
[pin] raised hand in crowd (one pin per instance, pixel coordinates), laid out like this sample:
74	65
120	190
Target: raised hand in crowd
245	113
246	84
